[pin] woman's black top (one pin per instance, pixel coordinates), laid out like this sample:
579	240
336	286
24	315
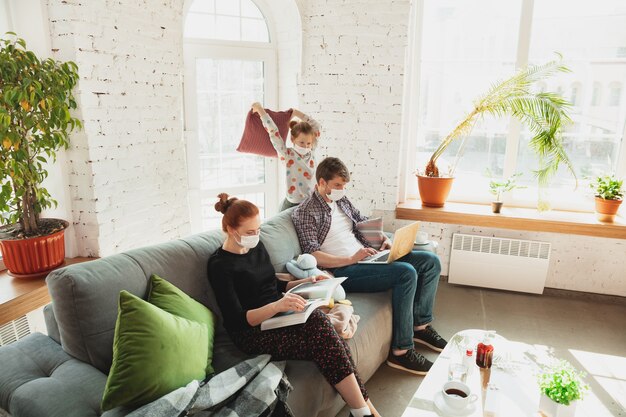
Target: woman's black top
242	283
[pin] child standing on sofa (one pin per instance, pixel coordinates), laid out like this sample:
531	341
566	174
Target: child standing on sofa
300	159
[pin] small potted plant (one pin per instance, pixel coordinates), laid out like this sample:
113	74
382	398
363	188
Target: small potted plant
35	121
609	195
561	387
498	188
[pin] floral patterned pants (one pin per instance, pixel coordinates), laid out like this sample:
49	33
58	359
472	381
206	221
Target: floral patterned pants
316	340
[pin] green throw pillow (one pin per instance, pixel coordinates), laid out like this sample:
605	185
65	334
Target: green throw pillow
154	353
168	297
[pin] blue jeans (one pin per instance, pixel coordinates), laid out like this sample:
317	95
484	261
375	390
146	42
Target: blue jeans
413	280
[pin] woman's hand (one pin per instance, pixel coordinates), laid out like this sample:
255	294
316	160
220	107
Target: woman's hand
315	279
289	302
257	108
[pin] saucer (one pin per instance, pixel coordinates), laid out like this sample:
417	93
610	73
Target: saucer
421	244
447	411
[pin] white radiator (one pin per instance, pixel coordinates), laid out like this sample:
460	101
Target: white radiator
493	262
15	330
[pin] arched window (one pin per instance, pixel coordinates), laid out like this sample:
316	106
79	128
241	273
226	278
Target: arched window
234	20
230	62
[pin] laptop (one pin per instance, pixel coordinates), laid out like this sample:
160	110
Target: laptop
402	244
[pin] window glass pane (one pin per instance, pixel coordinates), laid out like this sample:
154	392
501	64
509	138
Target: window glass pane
249	9
204	6
212	219
228	28
233	20
590	37
227	7
225	89
200	26
466	47
254	30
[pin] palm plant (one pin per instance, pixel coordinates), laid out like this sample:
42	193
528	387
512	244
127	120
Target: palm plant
544	113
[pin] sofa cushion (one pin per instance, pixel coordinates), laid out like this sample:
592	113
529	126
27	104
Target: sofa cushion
86	317
171	299
39	379
280	239
154	353
84	301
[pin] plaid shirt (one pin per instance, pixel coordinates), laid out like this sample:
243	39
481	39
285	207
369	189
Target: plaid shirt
312	220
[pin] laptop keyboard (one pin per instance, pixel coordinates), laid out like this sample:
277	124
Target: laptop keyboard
380	259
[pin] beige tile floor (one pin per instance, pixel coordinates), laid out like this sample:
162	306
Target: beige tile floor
589	331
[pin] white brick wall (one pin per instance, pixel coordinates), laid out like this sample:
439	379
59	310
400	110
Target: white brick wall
352	80
127	171
578	263
127	168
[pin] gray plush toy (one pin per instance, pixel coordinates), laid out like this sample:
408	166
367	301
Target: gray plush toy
305	266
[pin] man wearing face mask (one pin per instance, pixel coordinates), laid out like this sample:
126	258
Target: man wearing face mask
326	227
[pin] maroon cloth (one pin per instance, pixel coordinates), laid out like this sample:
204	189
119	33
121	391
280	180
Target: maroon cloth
255	139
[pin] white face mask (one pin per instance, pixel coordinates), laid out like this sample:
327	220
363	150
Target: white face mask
247	241
336	195
301	150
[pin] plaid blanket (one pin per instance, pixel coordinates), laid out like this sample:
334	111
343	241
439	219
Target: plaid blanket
255	387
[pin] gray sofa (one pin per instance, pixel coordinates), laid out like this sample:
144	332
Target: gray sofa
64	374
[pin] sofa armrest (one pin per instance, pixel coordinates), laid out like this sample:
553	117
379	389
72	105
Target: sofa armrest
39	378
51	324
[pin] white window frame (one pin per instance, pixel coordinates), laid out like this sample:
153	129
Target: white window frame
408	184
194	48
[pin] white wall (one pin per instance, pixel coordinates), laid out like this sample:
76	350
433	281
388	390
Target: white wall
352	81
578	263
127	174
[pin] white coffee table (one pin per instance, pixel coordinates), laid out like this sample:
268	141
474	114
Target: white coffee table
512	373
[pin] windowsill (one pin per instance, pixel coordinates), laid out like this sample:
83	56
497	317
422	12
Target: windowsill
554	221
19	296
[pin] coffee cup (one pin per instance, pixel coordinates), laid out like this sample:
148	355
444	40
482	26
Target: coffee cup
421	238
457	395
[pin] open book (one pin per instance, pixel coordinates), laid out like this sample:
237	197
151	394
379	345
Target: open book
316	295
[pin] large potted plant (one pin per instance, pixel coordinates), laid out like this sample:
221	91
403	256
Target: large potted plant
543	112
561	387
609	195
35	122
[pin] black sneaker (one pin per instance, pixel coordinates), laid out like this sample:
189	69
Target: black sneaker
430	338
411	361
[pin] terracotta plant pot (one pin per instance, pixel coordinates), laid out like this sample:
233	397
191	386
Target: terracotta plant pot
496	206
434	190
607	209
36	256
